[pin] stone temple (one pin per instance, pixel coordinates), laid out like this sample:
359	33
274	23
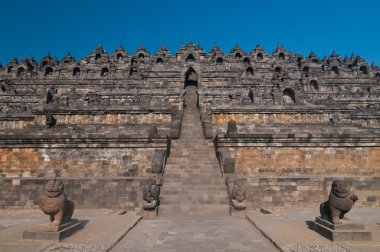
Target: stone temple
189	132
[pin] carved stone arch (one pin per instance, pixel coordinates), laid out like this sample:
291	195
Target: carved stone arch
119	56
305	69
377	75
363	70
313	85
281	56
191	77
259	56
249	71
76	72
141	55
49	71
10	69
133	61
219	61
238	55
246	61
277	69
98	57
196	68
20	72
190	58
335	70
159	60
288	96
133	71
104	72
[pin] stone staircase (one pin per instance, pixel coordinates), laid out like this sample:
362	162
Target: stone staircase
192	183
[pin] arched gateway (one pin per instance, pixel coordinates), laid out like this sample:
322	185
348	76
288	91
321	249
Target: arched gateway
191	86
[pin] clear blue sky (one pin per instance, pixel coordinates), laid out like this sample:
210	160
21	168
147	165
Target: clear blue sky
41	26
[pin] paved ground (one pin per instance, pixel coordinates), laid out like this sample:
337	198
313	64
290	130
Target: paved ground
216	234
289	229
105	230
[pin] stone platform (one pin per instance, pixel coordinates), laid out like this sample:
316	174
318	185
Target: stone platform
55	233
348	231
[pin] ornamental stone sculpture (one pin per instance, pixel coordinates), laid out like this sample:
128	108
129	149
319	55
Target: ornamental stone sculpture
151	195
54	203
238	195
341	200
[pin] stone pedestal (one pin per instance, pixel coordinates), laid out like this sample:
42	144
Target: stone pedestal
54	233
347	231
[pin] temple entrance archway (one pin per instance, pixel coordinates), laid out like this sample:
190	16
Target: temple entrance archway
191	86
191	78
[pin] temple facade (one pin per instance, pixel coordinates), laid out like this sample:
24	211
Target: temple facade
282	124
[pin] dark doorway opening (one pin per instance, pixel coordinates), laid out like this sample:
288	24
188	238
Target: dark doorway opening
191	78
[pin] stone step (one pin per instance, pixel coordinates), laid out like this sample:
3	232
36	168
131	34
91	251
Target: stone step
193	198
191	166
200	180
193	181
192	153
193	210
175	188
186	163
208	175
216	194
193	177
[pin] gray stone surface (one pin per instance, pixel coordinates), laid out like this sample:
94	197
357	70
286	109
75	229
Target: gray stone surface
293	228
192	182
71	227
197	234
103	228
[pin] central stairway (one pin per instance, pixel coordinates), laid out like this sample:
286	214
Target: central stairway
192	184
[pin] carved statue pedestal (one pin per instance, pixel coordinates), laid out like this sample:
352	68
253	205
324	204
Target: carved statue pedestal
347	231
237	205
44	231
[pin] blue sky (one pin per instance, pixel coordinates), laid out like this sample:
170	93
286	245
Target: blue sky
77	26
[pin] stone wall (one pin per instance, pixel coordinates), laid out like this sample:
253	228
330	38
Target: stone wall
288	161
306	191
261	118
76	162
109	119
121	192
17	124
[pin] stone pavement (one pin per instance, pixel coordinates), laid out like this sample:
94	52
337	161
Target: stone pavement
103	228
290	229
195	234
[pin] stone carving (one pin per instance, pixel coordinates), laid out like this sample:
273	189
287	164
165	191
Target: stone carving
151	195
158	161
50	120
341	200
54	203
226	162
239	195
231	128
